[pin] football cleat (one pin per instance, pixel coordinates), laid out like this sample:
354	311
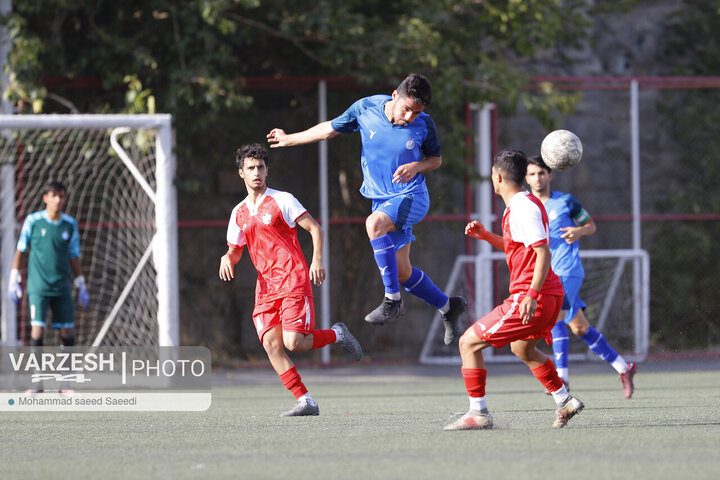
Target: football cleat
349	342
472	420
302	409
452	319
627	380
388	310
569	409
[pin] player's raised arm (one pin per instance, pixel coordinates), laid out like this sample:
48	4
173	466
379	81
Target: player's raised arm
322	131
317	270
228	261
477	230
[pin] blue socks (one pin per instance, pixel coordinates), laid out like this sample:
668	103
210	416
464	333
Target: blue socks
421	286
599	345
561	344
384	250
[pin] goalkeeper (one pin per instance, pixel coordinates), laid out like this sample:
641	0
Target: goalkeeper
54	243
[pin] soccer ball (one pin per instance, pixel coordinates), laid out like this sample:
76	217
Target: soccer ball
561	150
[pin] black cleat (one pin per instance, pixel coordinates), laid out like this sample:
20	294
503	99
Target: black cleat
388	310
452	319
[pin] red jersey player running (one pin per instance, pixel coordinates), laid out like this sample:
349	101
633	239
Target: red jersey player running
284	314
536	295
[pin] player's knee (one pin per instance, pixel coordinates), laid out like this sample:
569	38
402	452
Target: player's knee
294	344
467	343
519	351
36	342
375	226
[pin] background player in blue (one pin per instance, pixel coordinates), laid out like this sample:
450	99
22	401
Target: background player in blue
568	223
399	143
54	243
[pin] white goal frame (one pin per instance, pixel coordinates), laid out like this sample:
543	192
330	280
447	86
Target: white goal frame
164	245
484	303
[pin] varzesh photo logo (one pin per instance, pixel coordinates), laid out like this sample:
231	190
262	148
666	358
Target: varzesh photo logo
105	378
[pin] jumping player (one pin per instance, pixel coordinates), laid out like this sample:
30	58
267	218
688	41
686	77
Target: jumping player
569	221
284	314
54	243
396	134
530	311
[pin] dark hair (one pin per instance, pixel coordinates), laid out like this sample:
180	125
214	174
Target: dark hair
416	87
538	161
513	164
54	186
251	150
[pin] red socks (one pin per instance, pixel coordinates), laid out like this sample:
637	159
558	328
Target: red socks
474	381
547	375
323	337
292	381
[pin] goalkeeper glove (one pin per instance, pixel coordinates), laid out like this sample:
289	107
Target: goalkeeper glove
83	297
15	291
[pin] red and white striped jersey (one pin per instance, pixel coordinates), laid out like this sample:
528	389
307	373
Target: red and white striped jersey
269	229
525	225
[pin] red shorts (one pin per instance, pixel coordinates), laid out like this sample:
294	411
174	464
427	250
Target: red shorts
294	313
503	325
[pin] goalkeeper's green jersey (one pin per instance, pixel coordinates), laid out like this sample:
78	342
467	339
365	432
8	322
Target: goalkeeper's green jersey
52	245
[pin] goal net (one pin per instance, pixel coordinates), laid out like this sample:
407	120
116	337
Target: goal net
616	291
119	172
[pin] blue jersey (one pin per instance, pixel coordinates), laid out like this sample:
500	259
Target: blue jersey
386	146
565	211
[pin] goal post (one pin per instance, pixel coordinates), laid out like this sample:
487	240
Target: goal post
616	290
120	172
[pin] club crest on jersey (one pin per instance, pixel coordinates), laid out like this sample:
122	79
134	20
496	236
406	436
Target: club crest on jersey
43	232
552	215
65	235
410	144
266	218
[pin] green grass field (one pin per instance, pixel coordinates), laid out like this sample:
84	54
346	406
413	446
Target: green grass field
386	423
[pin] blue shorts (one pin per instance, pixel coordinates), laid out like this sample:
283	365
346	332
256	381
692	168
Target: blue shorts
572	302
404	211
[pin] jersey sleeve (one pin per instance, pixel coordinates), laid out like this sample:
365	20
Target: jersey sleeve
526	224
579	215
74	243
235	235
290	207
431	145
24	239
348	121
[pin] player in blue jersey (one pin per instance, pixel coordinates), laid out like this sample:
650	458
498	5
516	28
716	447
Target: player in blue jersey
54	243
569	221
399	144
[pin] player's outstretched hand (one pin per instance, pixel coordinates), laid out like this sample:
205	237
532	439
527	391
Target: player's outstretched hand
227	268
83	297
276	138
15	291
476	229
317	272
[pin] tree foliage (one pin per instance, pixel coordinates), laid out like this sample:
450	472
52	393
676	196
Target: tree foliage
190	57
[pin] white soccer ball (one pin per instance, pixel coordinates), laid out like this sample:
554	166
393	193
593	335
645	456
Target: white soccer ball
561	150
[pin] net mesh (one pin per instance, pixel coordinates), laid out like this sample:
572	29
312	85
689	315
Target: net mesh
608	290
116	222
